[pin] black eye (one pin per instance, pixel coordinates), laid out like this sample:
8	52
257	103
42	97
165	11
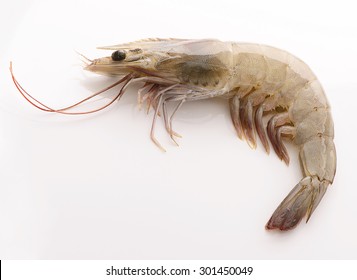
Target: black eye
118	55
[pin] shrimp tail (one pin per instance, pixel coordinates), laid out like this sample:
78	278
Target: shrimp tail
300	202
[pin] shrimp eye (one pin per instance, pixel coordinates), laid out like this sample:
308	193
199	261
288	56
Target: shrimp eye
118	55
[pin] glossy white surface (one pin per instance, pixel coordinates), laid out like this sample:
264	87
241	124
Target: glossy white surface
96	187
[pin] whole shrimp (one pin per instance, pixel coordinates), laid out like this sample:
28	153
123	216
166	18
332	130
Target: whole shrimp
257	80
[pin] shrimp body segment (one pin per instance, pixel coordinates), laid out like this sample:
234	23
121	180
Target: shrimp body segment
258	82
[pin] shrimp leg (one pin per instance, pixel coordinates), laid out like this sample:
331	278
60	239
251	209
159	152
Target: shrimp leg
275	129
156	113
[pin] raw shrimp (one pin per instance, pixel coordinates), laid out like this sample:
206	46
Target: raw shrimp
257	81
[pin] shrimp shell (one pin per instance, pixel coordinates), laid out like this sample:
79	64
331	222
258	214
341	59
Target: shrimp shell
258	81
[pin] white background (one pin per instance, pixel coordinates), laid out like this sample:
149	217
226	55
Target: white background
96	187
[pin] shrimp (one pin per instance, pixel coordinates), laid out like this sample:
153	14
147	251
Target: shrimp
258	82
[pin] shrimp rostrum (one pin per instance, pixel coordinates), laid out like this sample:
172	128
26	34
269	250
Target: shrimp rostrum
272	95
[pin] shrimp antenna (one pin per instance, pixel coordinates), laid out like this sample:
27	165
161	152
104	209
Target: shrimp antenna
83	56
38	104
